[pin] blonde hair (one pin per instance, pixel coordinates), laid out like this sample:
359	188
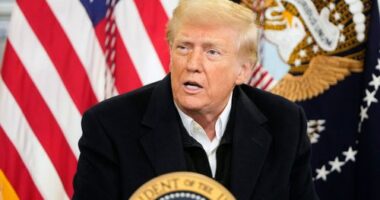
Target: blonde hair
219	12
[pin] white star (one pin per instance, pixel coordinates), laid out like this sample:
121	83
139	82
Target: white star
309	40
370	97
311	123
315	48
375	81
363	113
378	64
314	138
336	164
297	62
342	38
322	173
302	53
332	6
350	154
310	130
314	128
337	16
320	128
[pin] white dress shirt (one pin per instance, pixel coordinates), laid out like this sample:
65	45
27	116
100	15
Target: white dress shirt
199	134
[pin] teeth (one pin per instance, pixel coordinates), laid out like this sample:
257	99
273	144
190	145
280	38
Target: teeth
192	87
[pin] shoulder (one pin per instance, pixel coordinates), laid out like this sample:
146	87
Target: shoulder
269	103
284	119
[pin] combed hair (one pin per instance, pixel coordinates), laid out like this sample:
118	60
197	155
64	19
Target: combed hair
218	12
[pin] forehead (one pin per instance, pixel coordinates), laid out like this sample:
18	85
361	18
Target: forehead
206	33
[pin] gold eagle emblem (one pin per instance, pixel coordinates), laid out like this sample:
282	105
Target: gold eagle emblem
321	41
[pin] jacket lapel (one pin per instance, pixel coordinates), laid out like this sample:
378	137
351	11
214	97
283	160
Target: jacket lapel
162	142
161	138
251	142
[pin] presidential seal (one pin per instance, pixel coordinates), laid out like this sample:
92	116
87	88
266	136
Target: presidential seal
182	186
309	45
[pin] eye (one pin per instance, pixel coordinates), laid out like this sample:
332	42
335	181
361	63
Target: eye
213	53
182	49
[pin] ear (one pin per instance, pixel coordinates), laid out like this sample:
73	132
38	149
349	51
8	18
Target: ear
244	74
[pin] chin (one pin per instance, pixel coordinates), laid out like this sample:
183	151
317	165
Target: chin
189	105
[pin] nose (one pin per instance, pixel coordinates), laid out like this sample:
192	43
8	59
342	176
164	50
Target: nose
194	61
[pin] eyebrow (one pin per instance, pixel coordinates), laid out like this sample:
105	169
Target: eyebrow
208	44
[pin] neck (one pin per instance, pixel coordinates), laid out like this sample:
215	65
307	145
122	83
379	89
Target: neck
207	119
208	124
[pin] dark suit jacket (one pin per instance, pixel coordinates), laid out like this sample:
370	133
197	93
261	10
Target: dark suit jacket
132	138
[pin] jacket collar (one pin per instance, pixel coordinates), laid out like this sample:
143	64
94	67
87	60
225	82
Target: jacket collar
251	143
162	138
161	134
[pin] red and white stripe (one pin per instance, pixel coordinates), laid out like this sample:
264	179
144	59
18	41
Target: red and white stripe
56	65
131	28
261	78
81	36
33	155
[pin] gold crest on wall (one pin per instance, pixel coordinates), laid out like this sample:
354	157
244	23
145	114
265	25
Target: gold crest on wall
321	41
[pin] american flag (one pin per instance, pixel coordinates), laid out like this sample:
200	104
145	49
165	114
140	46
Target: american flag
61	57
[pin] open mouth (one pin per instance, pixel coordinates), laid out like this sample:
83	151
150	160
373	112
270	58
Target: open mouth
192	85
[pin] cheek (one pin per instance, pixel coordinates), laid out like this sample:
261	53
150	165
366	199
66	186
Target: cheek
177	63
226	74
176	70
222	80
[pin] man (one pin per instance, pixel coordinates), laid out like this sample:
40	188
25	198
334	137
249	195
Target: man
200	118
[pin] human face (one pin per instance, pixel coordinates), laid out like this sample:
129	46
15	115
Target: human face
205	67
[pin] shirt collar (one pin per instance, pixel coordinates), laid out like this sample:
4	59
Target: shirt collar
220	125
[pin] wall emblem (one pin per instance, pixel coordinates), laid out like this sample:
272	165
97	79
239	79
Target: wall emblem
308	46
